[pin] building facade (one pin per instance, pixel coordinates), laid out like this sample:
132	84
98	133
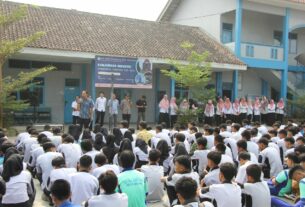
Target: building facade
268	36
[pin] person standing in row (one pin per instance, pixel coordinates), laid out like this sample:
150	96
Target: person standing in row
100	108
271	113
235	111
264	109
141	104
219	112
164	109
75	111
113	105
280	110
173	111
209	112
257	110
250	111
86	110
227	110
126	109
243	106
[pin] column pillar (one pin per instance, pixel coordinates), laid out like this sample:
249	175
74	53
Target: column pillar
235	85
284	74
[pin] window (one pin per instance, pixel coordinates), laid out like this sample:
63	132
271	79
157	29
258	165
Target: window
250	51
227	33
293	43
273	53
27	64
33	95
277	38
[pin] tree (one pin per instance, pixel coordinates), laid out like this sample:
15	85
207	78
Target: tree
193	75
9	85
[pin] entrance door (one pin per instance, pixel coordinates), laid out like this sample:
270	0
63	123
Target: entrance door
72	89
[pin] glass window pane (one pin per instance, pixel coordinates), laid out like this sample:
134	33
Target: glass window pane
293	46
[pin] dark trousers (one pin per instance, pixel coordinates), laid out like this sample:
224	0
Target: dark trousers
141	117
75	120
218	119
208	120
173	120
84	123
264	118
249	117
126	117
257	118
270	119
242	116
279	117
100	117
164	117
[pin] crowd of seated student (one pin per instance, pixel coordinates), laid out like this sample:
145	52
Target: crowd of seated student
232	165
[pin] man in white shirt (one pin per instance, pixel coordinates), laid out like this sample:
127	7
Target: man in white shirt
226	193
71	151
56	138
201	154
23	135
162	135
244	161
83	184
87	149
47	131
242	147
44	163
212	177
270	159
75	110
251	146
103	166
100	108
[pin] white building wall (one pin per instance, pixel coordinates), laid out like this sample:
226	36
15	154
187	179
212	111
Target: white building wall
264	8
300	45
251	85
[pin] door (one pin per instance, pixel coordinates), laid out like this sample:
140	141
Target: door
72	89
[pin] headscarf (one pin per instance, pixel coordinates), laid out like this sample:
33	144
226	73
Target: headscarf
164	103
220	104
243	102
272	103
98	142
125	145
257	103
281	104
163	147
12	167
236	104
227	103
209	106
142	145
128	135
118	136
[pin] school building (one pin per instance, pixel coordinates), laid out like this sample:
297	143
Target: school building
267	35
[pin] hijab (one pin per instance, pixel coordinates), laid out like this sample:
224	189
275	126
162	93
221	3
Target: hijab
164	103
12	167
142	145
227	103
118	136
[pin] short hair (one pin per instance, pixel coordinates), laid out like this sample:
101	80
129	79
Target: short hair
40	137
154	155
143	124
254	132
254	171
302	157
263	141
294	157
228	170
68	139
242	144
86	145
283	131
267	136
272	131
180	137
85	161
198	134
223	126
127	159
216	130
295	169
202	141
124	123
56	130
236	126
159	127
300	149
47	127
108	181
219	139
193	128
100	159
220	147
244	156
61	190
47	146
214	156
246	135
185	161
58	162
186	187
302	139
290	139
208	129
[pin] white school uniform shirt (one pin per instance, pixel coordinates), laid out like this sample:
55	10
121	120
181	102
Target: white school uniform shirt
225	159
227	111
17	188
27	146
209	112
225	134
83	186
74	106
212	177
173	109
100	170
56	140
218	110
227	152
274	160
259	192
44	166
35	153
71	152
233	145
142	156
243	108
250	110
271	109
235	110
252	147
22	136
288	151
241	176
92	154
123	130
275	146
60	173
225	195
236	135
153	174
154	142
47	133
210	141
100	104
201	156
177	176
256	110
262	130
279	110
164	136
112	200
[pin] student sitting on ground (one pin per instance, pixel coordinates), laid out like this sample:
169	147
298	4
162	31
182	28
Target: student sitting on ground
87	149
109	198
242	147
212	177
103	166
153	173
224	194
137	192
221	148
201	154
61	194
183	168
165	158
71	151
186	189
244	160
256	190
281	184
83	184
56	138
141	152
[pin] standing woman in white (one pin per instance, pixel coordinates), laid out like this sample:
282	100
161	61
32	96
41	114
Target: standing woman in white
250	110
173	111
219	112
280	110
164	109
256	110
271	113
243	107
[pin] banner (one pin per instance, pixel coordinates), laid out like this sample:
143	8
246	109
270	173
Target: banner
121	72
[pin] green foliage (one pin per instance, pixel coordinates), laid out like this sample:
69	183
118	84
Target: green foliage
186	116
9	85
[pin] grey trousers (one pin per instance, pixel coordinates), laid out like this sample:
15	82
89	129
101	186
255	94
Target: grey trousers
113	118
